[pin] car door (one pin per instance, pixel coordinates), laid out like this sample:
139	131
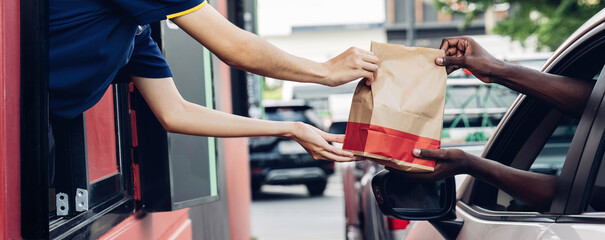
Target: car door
534	136
590	198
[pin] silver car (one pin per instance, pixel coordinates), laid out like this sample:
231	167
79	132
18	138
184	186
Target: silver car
533	135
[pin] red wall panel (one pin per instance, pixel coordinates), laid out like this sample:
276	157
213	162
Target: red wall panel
173	225
10	210
101	138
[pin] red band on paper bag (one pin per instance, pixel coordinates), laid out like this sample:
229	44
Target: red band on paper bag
387	142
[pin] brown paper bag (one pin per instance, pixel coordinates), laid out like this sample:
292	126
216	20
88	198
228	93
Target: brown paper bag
402	110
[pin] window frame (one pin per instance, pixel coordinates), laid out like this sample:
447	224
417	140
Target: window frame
592	155
155	157
34	119
108	205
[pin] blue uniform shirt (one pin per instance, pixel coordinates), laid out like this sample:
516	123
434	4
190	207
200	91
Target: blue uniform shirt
91	40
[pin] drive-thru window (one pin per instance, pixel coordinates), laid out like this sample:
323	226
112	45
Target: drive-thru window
113	171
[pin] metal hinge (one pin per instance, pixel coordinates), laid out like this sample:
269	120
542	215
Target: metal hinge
62	203
81	200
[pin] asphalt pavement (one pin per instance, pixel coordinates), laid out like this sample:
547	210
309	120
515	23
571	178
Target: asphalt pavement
289	213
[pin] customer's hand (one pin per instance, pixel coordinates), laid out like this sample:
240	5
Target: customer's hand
464	52
314	141
449	162
350	65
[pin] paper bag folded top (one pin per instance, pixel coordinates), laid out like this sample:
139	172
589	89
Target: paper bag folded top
402	110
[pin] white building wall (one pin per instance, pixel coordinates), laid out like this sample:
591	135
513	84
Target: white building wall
277	17
348	20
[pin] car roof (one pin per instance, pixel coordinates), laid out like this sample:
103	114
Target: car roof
286	108
593	22
527	56
270	103
295	105
280	103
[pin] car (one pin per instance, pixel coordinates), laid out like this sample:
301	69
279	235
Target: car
532	136
280	161
473	109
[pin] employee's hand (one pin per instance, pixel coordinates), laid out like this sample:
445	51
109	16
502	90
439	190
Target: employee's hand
246	51
449	162
315	142
464	52
350	65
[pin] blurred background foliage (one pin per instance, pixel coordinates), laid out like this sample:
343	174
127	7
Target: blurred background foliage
550	21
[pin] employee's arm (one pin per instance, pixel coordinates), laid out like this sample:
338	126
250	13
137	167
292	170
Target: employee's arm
249	52
564	93
531	188
180	116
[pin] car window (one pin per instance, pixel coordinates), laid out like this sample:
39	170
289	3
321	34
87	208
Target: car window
294	114
534	134
90	166
596	202
473	110
552	156
285	114
547	156
549	161
338	127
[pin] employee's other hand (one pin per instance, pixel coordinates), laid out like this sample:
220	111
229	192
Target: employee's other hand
316	143
350	65
449	162
464	52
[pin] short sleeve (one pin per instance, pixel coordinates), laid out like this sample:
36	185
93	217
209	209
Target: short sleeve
147	59
149	11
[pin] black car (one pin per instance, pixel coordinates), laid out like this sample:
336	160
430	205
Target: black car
280	161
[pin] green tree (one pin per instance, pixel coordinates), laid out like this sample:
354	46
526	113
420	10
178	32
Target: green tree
551	21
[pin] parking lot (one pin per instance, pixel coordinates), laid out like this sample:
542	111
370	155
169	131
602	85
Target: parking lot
287	212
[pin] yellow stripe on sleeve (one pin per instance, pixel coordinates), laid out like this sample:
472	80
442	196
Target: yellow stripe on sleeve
187	11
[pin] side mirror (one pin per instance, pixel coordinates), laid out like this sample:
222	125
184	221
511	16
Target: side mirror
403	198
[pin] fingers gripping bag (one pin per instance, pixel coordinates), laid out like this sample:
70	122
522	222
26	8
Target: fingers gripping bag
401	110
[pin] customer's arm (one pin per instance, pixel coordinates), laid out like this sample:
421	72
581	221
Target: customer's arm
531	188
249	52
180	116
564	93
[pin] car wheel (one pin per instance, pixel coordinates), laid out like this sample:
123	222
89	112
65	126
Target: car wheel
316	188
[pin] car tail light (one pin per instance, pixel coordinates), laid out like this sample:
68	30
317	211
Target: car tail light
330	165
256	170
396	224
467	72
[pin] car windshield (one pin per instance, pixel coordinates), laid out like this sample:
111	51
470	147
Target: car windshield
294	114
473	110
338	127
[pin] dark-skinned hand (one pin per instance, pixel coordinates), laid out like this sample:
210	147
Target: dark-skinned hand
449	162
464	52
